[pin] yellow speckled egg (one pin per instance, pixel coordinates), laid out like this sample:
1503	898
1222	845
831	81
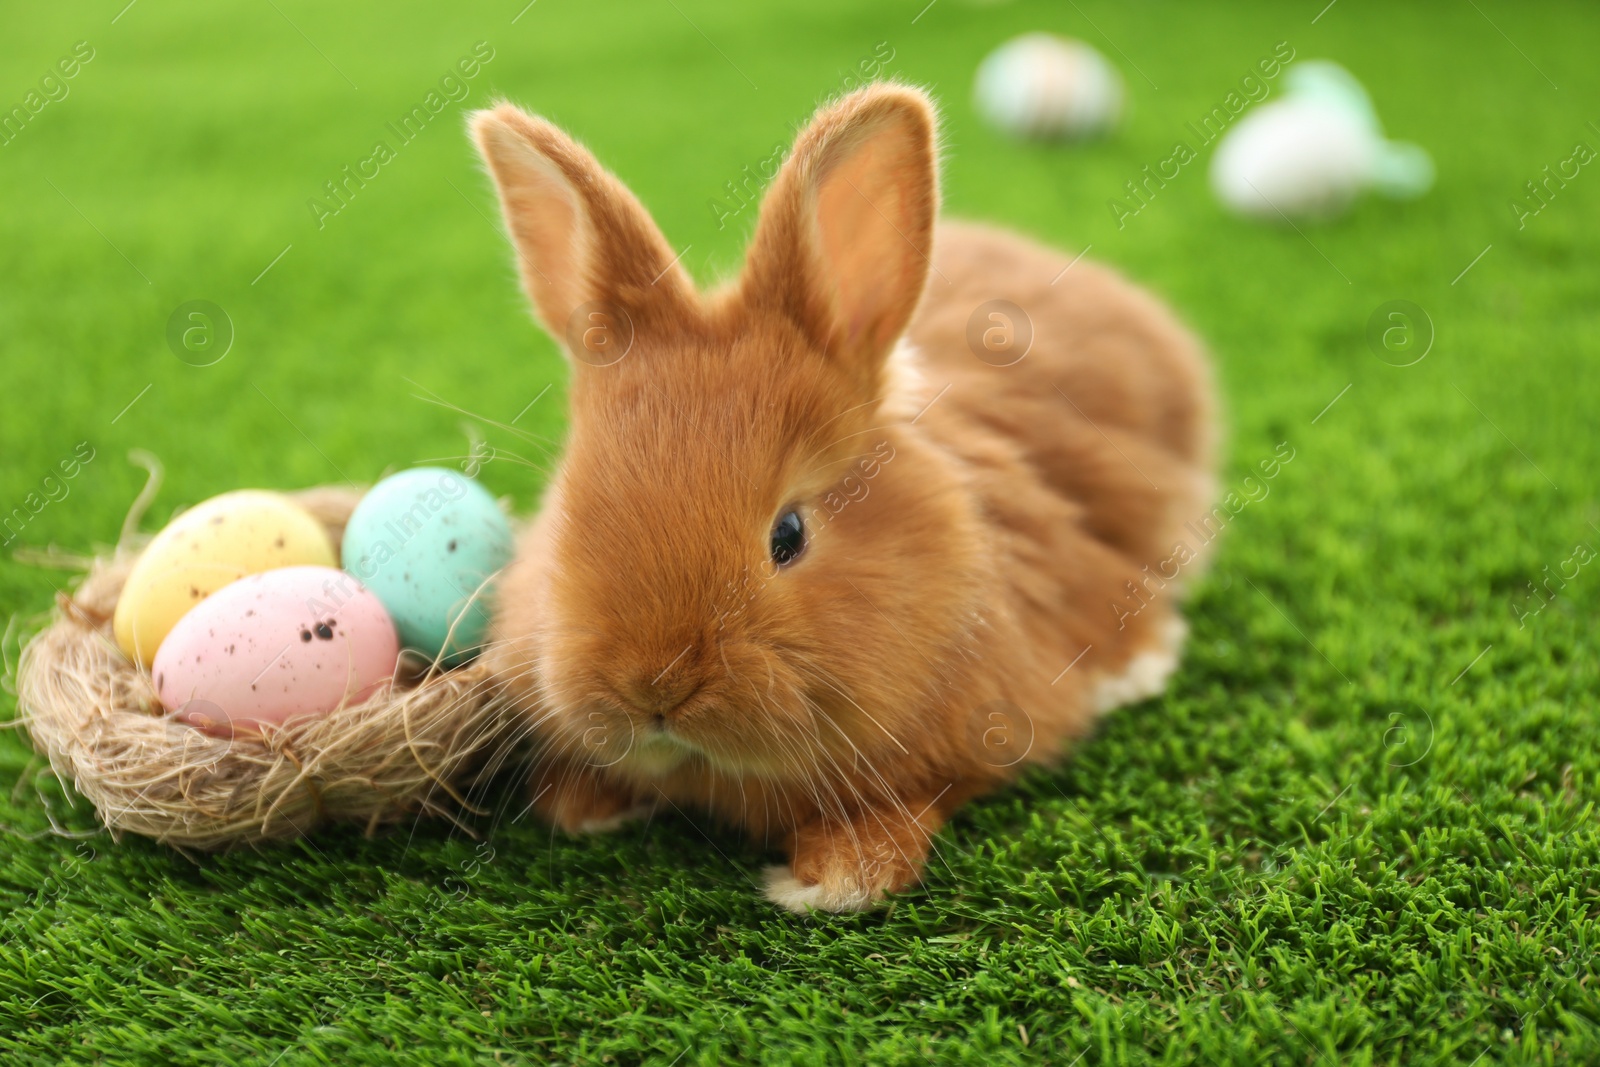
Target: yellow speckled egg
205	548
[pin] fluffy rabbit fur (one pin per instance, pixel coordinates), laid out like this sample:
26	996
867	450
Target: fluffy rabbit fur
980	574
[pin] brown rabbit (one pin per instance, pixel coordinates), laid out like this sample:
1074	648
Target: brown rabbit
840	545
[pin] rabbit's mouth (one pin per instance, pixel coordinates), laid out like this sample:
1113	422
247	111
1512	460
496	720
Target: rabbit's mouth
663	747
659	751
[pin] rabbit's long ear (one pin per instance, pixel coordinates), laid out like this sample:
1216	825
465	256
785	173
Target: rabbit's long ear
582	239
846	231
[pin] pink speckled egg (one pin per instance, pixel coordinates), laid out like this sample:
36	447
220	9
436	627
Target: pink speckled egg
273	646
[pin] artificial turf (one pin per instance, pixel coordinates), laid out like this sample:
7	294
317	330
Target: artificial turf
1360	827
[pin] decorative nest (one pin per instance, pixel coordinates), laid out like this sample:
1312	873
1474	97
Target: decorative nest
400	754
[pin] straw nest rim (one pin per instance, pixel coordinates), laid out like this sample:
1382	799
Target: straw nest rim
96	717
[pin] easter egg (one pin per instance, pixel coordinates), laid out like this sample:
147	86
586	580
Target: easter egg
275	646
205	548
427	542
1041	85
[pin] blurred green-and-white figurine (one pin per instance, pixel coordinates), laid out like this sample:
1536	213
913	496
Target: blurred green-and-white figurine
1312	152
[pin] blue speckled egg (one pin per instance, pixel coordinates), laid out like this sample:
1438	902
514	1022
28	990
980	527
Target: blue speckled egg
426	542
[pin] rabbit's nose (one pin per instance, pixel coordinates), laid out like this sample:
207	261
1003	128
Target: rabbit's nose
660	691
659	701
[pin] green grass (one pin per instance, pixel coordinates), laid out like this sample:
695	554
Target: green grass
1359	829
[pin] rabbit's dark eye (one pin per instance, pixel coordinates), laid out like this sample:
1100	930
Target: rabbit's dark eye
788	538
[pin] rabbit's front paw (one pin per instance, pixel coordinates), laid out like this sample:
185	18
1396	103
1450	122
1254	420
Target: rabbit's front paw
838	891
850	866
578	801
605	824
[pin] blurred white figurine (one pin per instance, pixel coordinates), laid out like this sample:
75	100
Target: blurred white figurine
1312	151
1042	85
